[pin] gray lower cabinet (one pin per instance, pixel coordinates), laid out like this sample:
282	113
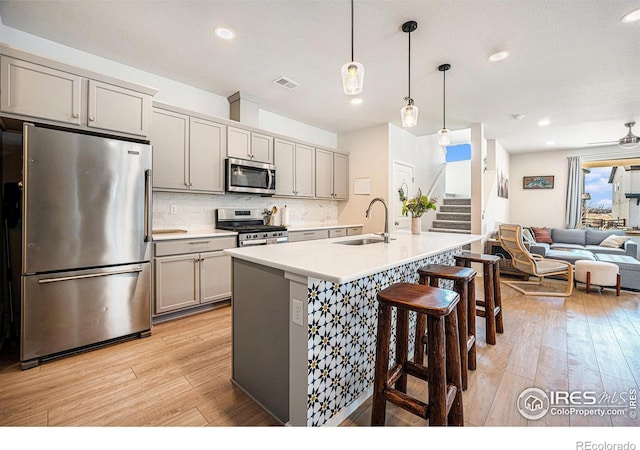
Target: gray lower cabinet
295	236
188	277
352	231
323	233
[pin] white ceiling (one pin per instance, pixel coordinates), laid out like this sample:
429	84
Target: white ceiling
573	62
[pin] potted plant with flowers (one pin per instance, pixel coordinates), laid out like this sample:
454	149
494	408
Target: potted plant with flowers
417	206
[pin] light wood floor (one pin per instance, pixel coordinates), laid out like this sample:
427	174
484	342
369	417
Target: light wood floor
180	376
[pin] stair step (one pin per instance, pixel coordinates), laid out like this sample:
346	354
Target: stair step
454	216
452	224
456	201
446	230
455	209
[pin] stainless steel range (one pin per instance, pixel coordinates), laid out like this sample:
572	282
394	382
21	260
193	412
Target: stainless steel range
250	226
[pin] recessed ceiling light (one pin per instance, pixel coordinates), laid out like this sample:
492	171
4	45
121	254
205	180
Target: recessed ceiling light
356	101
632	16
224	33
544	122
499	56
551	142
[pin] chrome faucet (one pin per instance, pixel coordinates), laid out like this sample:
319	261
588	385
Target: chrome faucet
385	235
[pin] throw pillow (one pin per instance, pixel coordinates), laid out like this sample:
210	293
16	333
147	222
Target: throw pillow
614	241
542	235
527	236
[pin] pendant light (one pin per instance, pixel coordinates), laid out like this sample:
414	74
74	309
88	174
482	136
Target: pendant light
409	114
444	136
352	72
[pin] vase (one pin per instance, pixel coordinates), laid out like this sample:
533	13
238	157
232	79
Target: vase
416	225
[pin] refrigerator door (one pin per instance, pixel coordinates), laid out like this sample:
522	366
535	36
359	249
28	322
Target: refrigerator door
86	201
69	310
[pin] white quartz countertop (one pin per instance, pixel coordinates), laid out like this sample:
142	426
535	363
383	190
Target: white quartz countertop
323	227
325	259
171	234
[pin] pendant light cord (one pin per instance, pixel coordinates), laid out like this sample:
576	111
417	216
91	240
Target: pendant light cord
444	99
409	65
352	30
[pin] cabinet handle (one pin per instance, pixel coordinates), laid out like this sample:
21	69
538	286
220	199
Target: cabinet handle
76	115
92	119
199	242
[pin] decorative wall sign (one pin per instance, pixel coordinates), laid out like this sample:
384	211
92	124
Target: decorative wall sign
538	182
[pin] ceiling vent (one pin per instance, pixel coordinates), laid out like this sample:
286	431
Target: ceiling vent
286	83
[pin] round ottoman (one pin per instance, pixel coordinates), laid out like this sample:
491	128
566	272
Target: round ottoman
600	273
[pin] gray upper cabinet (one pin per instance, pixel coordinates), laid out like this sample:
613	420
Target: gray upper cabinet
332	175
170	141
38	91
113	108
35	88
188	152
295	168
340	176
246	144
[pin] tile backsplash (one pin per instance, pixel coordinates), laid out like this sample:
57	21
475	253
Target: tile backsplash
197	211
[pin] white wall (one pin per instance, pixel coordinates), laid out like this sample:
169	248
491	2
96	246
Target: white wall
458	179
424	154
368	158
478	153
546	207
496	209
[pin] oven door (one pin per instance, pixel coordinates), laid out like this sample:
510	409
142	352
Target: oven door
250	177
247	241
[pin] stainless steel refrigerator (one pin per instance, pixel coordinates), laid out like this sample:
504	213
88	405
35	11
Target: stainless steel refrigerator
86	232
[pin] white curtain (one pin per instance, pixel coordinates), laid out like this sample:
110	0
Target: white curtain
574	192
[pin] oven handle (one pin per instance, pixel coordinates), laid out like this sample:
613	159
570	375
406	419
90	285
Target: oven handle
254	242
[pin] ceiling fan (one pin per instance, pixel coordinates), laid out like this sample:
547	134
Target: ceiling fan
628	142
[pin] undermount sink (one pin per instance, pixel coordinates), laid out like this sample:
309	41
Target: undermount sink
363	241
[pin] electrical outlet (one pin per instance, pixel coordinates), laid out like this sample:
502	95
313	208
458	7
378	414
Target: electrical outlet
174	209
296	314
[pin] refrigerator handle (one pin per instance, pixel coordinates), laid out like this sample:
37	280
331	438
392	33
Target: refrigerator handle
89	275
147	205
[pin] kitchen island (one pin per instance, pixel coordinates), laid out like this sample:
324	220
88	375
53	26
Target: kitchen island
305	318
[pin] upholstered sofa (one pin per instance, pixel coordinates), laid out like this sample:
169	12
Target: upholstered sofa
572	245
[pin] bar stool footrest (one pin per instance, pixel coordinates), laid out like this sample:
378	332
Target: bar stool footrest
408	403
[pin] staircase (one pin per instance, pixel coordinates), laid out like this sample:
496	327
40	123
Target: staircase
453	216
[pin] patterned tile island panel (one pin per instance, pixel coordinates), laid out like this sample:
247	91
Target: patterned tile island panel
342	327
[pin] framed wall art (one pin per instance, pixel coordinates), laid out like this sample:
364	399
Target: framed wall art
538	182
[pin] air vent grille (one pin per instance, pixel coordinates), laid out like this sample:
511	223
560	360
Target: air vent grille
286	83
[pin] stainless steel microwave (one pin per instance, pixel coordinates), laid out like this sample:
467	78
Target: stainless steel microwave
250	177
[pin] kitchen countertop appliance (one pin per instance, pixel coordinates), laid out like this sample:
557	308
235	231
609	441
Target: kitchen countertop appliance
250	226
86	242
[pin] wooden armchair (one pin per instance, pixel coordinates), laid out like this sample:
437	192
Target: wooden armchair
510	237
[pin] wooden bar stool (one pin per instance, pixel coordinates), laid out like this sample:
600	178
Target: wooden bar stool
492	303
464	284
443	371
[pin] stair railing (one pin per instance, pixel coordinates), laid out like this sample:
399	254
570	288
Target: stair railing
441	171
